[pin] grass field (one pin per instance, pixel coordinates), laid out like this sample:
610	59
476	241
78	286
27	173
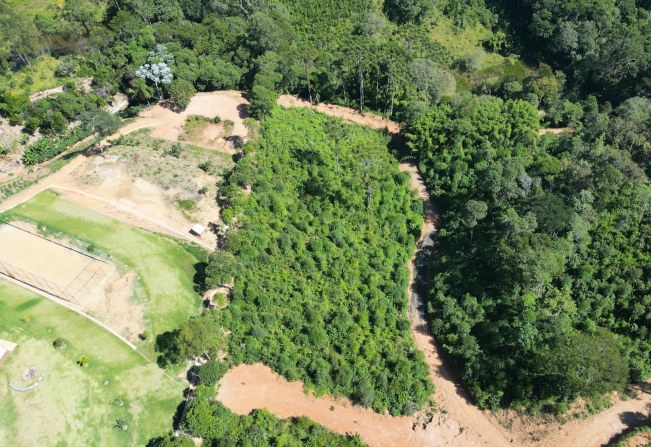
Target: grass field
33	7
164	266
71	407
40	76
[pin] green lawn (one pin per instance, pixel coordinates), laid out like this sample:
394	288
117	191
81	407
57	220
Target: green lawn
165	266
71	405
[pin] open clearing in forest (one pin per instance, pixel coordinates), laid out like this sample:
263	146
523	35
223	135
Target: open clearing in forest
480	427
141	178
71	404
154	283
169	124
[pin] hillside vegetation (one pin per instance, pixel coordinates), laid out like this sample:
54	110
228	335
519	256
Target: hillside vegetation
321	252
540	289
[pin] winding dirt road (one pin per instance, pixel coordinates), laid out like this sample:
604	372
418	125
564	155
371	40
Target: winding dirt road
460	423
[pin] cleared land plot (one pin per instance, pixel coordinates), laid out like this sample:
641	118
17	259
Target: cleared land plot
164	267
169	125
62	266
71	404
146	180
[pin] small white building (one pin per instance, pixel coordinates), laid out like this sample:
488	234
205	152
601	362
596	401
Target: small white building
197	230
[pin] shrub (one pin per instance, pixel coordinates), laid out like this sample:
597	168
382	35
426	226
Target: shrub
206	166
58	342
217	120
212	372
26	319
83	361
175	150
187	205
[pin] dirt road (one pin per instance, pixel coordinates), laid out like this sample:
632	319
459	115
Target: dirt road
479	427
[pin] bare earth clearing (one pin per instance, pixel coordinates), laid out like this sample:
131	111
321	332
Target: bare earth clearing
460	422
168	124
131	190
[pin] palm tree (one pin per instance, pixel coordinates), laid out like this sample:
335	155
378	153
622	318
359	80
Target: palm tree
144	92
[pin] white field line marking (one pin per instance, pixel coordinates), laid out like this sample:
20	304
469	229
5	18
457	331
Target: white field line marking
135	213
65	303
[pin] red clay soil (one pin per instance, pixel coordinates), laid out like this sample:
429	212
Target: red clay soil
460	423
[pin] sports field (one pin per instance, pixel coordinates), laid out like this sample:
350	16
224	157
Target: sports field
71	405
164	267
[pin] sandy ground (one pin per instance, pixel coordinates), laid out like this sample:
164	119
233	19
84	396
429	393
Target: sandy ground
638	440
247	387
135	200
111	303
168	124
255	386
555	131
40	257
107	298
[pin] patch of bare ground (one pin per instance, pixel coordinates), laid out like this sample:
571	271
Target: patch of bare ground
113	303
555	131
247	387
345	113
637	440
142	186
168	124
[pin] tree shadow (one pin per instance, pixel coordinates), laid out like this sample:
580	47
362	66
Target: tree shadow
632	420
199	277
167	347
241	110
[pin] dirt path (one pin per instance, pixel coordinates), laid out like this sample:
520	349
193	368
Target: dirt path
248	387
85	83
480	427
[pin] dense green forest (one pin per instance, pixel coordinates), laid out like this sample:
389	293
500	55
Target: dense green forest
542	288
320	260
540	291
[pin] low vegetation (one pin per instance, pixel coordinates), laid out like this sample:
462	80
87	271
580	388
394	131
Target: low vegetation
53	414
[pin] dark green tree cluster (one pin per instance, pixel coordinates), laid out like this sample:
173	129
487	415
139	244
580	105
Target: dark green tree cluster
209	419
52	115
542	290
323	241
601	45
342	52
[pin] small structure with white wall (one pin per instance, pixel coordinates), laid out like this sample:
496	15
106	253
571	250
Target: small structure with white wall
197	230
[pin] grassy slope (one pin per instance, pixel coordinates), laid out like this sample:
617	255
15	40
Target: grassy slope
70	407
164	266
33	7
41	72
